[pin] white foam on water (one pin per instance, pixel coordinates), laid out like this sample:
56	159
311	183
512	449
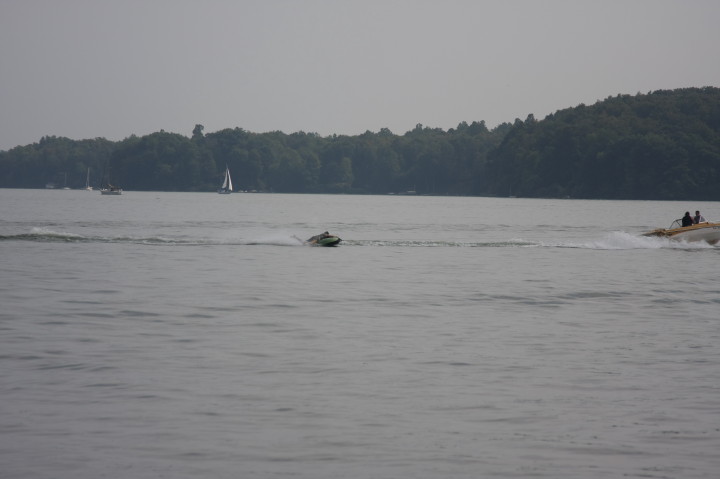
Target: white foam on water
40	231
620	240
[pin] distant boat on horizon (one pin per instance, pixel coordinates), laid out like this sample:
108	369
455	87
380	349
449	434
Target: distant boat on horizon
111	190
87	181
227	186
106	188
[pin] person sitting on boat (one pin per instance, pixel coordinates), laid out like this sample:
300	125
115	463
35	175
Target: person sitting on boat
698	218
687	220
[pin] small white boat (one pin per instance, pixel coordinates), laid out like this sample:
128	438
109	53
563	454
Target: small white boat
226	187
87	181
111	190
106	188
705	231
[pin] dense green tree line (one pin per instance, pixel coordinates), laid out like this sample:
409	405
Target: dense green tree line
660	145
663	145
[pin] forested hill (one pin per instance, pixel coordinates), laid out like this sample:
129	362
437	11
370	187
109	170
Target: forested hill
661	145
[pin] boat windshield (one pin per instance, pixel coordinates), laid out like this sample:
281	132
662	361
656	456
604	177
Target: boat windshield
676	224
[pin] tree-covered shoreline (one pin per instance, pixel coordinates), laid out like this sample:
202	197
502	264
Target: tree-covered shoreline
664	145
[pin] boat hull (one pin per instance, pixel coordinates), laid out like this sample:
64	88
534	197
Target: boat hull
329	241
707	232
111	192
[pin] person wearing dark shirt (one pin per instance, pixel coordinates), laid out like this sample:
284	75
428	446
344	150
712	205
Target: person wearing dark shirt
687	220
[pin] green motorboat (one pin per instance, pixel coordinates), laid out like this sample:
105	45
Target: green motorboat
324	239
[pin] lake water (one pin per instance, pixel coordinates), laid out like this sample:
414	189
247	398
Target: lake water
190	335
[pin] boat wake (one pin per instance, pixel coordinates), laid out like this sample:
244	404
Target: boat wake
617	240
440	244
46	235
620	240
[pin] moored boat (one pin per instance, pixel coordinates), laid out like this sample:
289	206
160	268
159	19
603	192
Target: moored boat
87	181
107	188
111	190
705	231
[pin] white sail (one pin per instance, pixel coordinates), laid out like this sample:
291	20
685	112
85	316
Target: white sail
228	180
227	183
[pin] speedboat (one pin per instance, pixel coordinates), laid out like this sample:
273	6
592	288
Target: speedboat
705	231
324	239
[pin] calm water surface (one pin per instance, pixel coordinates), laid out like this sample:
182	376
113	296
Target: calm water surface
182	335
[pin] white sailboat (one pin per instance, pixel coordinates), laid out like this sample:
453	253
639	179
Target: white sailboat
87	181
226	187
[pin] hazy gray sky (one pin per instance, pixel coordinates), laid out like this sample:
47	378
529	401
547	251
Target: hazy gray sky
113	68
